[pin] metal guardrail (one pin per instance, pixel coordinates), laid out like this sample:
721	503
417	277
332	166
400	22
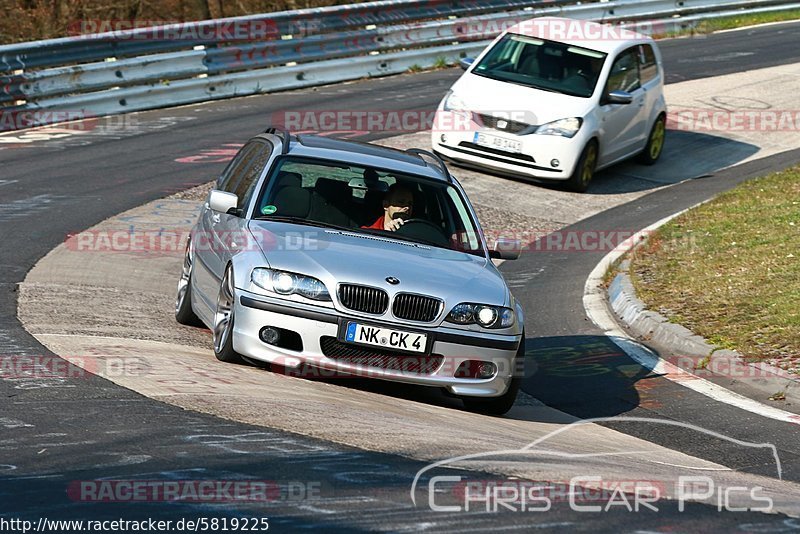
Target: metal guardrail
117	72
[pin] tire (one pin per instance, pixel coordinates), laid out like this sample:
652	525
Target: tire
584	169
224	321
502	404
655	142
184	313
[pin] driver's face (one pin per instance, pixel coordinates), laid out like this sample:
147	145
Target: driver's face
400	202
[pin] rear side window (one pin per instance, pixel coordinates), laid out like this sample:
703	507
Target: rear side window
648	68
244	188
624	75
230	177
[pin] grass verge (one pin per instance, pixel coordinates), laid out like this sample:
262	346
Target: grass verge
729	270
749	19
729	23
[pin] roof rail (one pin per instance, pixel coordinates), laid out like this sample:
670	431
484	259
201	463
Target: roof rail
436	159
283	134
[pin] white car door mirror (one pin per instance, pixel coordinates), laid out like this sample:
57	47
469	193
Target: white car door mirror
506	249
222	202
619	97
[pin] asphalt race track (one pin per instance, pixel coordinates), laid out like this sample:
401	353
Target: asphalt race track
57	432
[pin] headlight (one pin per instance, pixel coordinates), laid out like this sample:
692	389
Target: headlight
452	102
284	283
563	127
482	314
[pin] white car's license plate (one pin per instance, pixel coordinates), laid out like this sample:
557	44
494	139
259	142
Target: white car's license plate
385	337
500	143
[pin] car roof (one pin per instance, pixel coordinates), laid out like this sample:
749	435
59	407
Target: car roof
368	155
584	33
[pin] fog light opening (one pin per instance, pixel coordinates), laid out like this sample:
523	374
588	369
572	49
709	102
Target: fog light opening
443	138
269	335
486	370
555	163
476	369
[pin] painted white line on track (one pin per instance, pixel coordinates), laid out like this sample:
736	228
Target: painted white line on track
762	25
594	302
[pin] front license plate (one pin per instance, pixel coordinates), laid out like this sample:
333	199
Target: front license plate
385	337
500	143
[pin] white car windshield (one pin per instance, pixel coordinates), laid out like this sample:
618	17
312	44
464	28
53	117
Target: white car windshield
347	196
543	64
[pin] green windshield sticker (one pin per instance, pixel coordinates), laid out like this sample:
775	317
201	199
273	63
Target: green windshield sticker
268	210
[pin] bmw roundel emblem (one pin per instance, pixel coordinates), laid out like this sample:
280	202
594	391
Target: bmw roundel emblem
392	280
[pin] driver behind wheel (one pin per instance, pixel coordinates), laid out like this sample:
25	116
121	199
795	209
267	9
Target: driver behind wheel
397	207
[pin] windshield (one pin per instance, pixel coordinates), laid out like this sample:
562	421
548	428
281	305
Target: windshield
543	64
345	196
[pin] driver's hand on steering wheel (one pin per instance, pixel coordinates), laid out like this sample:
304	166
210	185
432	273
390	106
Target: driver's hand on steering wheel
393	224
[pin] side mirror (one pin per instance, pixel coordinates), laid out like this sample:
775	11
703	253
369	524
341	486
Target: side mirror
619	97
466	62
506	249
222	202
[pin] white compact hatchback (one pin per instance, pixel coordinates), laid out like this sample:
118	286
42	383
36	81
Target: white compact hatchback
556	99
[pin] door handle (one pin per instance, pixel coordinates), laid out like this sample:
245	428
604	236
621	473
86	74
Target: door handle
215	217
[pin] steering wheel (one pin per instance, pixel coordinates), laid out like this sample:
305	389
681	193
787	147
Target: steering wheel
421	228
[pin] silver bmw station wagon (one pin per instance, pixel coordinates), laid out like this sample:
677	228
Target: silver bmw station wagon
353	258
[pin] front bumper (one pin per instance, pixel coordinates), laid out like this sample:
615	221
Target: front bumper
534	160
253	312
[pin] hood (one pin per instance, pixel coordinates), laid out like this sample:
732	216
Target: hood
526	104
335	256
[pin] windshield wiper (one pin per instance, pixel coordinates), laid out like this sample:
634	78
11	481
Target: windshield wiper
540	87
299	220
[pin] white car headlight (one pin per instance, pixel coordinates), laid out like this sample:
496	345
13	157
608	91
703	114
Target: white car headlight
482	314
452	102
284	283
563	127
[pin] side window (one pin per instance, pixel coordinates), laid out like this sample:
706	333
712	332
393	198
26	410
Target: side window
624	75
244	189
232	173
465	238
648	67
